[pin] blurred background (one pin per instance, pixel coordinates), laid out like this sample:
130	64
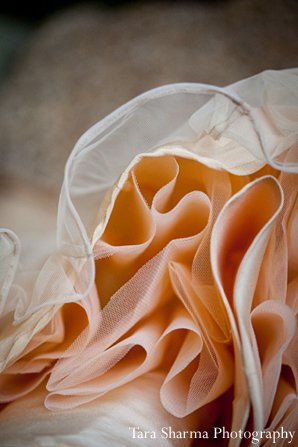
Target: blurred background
66	64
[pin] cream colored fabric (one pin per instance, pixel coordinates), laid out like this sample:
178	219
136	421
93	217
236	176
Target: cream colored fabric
176	264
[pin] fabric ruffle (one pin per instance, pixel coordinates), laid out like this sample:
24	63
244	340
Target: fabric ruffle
176	265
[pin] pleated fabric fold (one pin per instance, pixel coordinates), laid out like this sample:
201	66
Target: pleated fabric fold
175	277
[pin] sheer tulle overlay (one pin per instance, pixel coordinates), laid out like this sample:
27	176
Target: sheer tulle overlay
171	299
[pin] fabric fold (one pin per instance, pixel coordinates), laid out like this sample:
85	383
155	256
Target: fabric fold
174	279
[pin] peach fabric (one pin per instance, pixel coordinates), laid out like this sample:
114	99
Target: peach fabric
187	283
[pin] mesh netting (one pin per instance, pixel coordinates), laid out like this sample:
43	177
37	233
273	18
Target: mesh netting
185	265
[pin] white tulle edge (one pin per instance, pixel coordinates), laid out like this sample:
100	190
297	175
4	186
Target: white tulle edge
84	145
10	248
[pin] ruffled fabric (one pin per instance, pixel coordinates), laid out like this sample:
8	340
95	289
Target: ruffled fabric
176	266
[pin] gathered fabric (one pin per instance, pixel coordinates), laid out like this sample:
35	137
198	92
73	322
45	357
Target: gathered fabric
176	270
